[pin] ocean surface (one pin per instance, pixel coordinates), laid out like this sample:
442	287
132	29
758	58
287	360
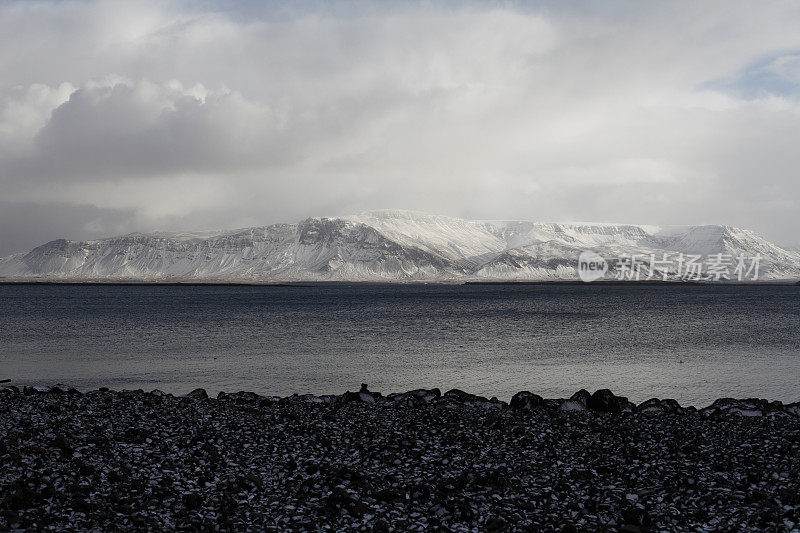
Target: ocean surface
694	343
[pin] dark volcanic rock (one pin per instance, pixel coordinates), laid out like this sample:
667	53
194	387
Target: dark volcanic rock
198	393
604	401
416	461
577	402
748	407
242	397
526	401
363	395
654	405
9	390
459	396
582	397
415	397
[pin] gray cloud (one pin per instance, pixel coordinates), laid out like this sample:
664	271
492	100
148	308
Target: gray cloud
44	223
180	118
129	130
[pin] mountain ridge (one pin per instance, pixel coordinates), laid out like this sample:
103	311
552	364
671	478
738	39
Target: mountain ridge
391	245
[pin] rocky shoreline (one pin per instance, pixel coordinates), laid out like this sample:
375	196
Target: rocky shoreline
414	461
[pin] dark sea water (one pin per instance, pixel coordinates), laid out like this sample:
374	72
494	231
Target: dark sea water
691	343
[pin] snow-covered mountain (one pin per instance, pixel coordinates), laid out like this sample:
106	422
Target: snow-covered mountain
401	246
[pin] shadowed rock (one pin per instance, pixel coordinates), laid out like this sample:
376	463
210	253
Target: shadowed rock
415	397
363	395
604	401
460	396
526	401
198	393
654	405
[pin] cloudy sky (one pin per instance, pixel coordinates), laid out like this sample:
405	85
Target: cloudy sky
136	116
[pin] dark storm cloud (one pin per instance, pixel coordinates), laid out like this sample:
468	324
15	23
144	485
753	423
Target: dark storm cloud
44	223
121	130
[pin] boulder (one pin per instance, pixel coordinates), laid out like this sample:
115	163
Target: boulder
459	396
582	397
364	395
59	388
309	398
11	390
577	402
526	401
416	397
746	407
654	405
243	397
604	401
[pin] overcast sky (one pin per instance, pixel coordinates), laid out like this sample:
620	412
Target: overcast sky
137	116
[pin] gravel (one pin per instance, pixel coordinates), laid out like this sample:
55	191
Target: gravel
416	461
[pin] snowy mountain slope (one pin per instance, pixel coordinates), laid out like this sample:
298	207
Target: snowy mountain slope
517	234
453	239
387	246
346	249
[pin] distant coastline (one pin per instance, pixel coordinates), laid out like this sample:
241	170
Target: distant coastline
188	283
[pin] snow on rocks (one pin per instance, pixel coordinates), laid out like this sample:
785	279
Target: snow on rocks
415	397
748	407
582	397
413	461
577	402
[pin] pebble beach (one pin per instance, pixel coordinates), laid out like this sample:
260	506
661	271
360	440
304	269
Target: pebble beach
417	461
